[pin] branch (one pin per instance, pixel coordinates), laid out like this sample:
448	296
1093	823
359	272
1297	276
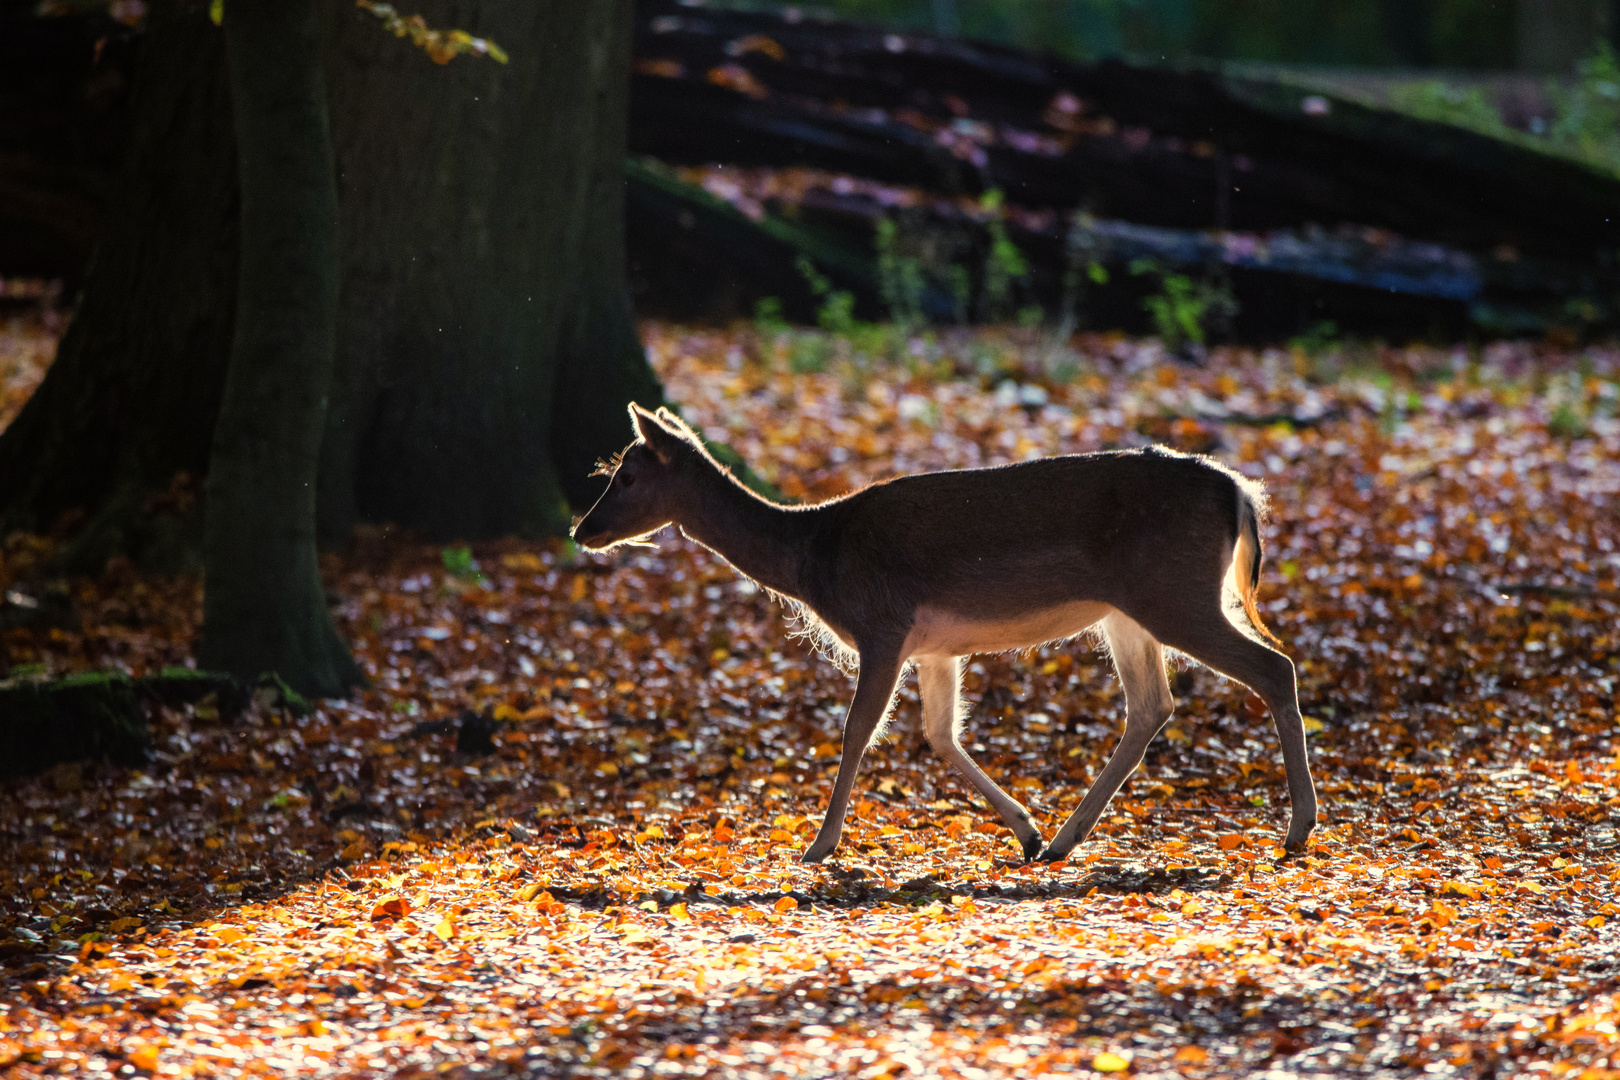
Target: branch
442	46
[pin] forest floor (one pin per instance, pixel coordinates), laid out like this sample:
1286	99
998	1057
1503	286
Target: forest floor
613	888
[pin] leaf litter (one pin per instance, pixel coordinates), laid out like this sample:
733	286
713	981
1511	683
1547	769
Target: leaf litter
614	889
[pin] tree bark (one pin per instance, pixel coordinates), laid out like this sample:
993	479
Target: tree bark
114	443
263	607
486	340
486	345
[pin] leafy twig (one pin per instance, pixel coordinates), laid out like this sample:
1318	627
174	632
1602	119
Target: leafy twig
442	46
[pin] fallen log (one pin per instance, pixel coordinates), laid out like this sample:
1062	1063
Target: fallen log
1387	221
713	242
1158	146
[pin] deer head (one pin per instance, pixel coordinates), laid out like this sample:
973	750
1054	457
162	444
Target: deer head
647	482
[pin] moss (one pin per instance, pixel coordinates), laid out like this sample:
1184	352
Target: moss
91	678
283	696
103	715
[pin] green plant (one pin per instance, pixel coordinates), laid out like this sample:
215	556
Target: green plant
459	563
1184	308
1568	421
769	322
1004	263
900	279
1314	341
1177	312
837	312
1588	121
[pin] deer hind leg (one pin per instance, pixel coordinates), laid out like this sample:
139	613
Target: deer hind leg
1212	640
1139	659
940	680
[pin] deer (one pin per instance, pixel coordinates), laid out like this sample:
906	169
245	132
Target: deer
1150	549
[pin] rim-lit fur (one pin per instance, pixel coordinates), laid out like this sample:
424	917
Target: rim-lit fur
1151	549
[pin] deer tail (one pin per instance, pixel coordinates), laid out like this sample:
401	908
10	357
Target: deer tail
1248	555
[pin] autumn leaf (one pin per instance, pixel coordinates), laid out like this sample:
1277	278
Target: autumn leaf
143	1056
390	907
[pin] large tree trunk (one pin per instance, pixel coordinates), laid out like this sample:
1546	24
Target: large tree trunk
481	288
113	445
486	337
264	608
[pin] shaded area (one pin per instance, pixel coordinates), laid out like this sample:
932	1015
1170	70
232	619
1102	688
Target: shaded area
1359	214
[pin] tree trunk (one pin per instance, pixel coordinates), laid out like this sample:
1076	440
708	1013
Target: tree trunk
113	444
264	608
486	340
481	289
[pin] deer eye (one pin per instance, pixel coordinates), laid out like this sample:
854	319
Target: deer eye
626	479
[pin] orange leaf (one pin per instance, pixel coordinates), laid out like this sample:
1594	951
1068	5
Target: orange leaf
787	903
391	907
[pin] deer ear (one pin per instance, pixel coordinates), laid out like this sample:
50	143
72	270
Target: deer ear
654	433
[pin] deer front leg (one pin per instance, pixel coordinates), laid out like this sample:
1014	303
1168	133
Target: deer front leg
940	680
874	690
1139	659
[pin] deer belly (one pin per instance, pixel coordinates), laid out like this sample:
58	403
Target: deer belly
937	632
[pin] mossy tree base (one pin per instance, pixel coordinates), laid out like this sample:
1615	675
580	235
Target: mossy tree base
105	715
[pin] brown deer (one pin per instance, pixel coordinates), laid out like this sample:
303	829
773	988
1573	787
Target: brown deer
1153	548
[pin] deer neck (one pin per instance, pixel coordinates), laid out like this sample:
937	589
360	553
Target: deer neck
761	539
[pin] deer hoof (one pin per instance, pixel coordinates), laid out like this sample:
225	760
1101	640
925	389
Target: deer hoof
1032	846
1052	855
1297	838
812	856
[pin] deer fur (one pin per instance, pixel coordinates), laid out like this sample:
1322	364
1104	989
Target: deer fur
1151	548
